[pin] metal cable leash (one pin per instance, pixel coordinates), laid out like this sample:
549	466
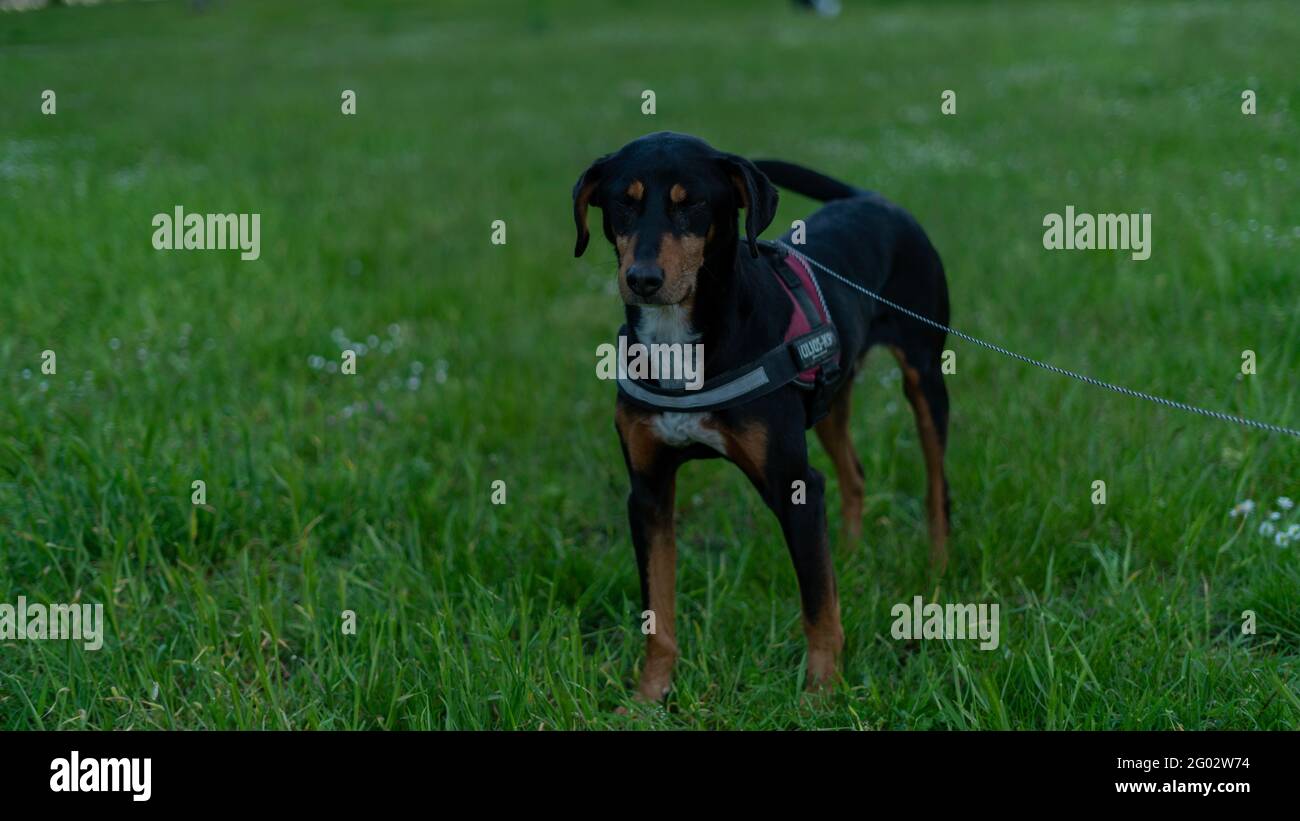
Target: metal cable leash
1047	366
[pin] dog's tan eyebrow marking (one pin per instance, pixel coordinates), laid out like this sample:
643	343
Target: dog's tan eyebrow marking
677	193
636	190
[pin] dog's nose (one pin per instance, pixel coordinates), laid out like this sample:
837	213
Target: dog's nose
644	278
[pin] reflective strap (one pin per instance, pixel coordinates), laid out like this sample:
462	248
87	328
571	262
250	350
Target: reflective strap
753	380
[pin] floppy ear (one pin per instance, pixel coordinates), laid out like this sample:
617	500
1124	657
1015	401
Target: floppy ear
583	192
757	196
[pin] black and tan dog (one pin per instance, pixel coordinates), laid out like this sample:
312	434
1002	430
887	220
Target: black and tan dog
669	205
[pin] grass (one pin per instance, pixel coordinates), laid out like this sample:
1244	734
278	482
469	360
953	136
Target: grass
371	492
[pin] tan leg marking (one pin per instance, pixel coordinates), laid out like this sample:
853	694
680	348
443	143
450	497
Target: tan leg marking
661	562
825	642
661	646
932	447
833	431
747	447
639	437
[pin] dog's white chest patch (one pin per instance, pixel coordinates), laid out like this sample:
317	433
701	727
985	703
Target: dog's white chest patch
671	323
681	429
665	323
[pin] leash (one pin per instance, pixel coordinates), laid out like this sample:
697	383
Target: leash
1047	366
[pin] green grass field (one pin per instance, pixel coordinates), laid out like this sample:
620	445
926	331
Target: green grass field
371	492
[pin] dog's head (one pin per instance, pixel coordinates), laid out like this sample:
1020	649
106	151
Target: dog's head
668	201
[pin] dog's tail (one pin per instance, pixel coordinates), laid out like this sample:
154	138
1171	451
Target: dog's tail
805	181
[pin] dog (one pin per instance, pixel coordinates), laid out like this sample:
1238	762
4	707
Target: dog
670	205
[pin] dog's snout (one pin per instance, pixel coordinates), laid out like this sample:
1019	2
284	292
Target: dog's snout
644	278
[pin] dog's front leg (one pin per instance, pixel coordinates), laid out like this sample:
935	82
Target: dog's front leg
650	512
774	455
804	526
652	469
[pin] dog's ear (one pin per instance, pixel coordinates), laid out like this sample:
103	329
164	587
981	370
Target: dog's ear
757	196
583	193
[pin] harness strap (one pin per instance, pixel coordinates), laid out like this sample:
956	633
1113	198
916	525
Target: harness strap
794	360
797	278
795	287
774	369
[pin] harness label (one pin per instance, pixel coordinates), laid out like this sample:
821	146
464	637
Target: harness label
815	348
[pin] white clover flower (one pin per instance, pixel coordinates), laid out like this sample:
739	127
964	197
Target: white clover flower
1274	516
1285	502
1281	540
1294	531
1267	529
1242	509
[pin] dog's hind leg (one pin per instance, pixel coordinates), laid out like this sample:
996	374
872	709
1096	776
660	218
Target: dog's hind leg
926	392
833	431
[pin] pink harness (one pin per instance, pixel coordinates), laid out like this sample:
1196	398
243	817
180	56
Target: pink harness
799	321
808	357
